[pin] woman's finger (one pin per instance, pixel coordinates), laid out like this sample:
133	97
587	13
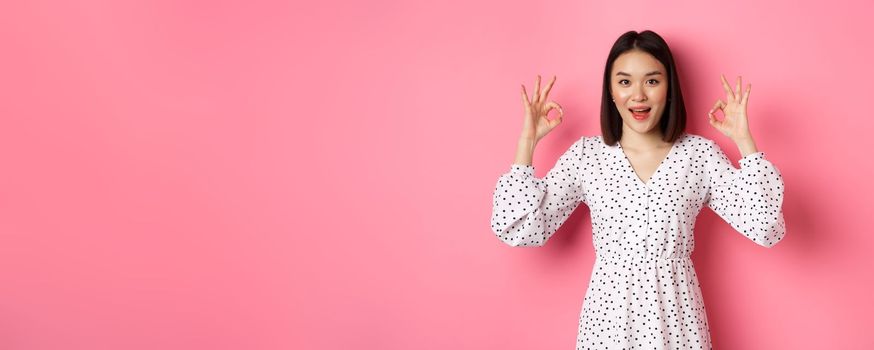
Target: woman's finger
554	122
746	95
537	90
552	105
713	121
525	99
728	93
718	105
546	90
737	87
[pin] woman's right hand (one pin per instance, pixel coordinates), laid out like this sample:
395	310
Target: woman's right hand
536	125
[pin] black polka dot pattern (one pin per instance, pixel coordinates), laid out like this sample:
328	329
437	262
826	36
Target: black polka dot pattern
644	292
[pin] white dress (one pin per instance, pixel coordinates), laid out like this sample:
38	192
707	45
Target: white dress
643	292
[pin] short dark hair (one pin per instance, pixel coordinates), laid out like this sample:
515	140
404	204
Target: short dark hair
673	123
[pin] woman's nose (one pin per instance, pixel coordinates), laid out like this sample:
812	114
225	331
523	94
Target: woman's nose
639	94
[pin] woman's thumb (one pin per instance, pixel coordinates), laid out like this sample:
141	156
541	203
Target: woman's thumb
555	122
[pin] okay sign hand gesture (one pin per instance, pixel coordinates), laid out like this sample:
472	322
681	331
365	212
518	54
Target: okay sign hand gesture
536	125
734	124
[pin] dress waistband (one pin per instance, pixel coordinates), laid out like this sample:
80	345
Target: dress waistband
641	257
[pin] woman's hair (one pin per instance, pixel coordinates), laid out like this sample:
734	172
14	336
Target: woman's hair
673	121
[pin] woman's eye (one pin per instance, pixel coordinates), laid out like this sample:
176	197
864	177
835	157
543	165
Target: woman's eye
651	81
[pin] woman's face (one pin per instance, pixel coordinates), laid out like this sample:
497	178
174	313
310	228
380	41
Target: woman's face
638	80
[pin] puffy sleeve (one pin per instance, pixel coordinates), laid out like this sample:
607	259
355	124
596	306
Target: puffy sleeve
750	199
526	210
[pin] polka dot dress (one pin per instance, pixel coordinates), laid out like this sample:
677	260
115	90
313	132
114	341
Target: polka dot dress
643	293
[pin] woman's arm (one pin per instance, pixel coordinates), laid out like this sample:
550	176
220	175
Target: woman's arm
746	146
526	210
750	199
524	151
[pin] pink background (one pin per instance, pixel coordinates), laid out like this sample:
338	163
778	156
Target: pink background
316	175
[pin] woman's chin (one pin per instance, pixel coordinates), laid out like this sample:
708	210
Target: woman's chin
640	128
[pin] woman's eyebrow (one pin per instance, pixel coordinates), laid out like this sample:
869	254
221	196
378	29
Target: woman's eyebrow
646	75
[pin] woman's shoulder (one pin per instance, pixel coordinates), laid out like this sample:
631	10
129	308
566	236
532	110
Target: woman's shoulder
591	142
685	137
688	140
703	147
591	139
695	140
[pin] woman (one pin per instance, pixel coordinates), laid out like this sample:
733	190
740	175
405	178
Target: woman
644	180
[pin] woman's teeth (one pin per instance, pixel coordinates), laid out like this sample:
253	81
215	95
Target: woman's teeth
640	114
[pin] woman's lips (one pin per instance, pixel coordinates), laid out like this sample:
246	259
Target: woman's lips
640	115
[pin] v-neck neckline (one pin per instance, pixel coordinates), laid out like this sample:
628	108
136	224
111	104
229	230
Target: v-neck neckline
658	168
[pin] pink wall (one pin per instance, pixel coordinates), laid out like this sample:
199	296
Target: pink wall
313	175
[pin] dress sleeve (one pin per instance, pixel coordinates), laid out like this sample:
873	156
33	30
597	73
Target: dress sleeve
527	210
750	199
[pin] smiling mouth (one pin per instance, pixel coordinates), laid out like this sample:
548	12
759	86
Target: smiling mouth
640	114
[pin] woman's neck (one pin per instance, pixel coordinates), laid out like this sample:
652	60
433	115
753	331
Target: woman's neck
637	141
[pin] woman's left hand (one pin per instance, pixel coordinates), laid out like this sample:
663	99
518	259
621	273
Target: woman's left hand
734	124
